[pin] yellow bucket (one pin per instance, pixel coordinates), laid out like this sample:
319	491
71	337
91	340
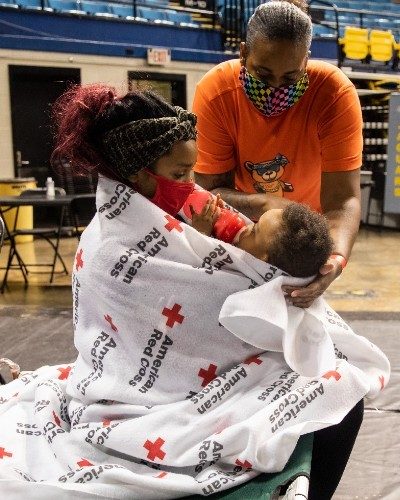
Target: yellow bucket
14	187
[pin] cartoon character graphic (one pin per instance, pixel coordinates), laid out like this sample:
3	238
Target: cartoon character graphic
267	175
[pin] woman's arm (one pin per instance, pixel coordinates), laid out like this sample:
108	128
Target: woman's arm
253	205
340	201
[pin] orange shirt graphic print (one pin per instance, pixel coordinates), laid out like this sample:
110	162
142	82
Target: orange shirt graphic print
267	175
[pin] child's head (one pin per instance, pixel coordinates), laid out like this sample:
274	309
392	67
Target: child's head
296	239
123	137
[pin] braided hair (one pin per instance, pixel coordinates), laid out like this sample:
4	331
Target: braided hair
281	20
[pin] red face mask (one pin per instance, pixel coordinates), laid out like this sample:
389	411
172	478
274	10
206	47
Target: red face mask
170	195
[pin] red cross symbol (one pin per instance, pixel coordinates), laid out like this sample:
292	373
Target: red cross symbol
173	224
106	423
253	359
64	373
333	373
161	475
208	374
4	453
154	449
108	318
79	260
84	463
56	419
173	315
244	465
382	381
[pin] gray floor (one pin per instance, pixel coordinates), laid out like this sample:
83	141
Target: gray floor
33	336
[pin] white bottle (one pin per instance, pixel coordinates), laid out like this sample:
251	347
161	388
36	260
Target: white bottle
50	189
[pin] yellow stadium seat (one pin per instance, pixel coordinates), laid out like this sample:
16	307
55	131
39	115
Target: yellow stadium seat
381	45
355	43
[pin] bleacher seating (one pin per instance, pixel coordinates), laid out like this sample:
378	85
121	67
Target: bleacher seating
65	6
354	43
123	11
30	4
153	15
101	9
361	46
321	31
382	45
181	19
8	4
381	15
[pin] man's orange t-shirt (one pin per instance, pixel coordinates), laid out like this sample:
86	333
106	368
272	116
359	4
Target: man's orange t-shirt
284	154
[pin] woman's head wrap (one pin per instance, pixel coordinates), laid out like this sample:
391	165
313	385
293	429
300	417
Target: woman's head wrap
138	144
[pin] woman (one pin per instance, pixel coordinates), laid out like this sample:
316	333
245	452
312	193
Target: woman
275	126
162	401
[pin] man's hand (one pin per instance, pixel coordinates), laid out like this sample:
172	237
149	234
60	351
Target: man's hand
205	220
305	296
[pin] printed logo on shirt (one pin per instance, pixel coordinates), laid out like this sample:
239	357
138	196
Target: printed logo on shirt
267	175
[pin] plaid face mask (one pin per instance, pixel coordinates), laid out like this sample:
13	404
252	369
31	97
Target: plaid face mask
272	101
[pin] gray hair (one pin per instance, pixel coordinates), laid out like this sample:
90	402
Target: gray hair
280	20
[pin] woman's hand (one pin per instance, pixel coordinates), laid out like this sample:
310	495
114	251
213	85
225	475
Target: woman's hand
205	220
305	296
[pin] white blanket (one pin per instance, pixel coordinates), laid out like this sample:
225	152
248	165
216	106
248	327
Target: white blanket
163	401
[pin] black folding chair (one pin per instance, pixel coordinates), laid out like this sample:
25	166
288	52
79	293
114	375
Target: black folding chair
49	234
83	208
2	232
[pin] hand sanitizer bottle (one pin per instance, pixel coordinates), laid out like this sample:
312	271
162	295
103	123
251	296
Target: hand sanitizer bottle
50	189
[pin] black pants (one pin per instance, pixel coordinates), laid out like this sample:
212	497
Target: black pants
331	451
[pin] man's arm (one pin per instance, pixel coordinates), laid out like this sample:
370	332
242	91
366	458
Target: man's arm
252	205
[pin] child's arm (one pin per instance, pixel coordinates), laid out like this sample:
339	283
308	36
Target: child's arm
205	220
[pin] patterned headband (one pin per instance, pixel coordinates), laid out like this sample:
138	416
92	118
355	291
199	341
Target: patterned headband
137	145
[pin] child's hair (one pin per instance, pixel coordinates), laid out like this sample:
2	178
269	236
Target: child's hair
303	243
84	114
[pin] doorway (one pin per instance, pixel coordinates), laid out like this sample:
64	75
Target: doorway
33	90
169	85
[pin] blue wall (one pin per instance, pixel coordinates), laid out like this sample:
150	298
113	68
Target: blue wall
50	32
111	37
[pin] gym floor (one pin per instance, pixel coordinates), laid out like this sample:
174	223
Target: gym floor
36	329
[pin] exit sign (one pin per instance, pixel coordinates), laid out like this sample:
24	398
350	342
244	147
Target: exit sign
158	56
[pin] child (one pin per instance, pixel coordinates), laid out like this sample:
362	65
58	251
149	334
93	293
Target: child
296	239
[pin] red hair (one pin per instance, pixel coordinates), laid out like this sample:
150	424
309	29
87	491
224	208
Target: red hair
74	115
